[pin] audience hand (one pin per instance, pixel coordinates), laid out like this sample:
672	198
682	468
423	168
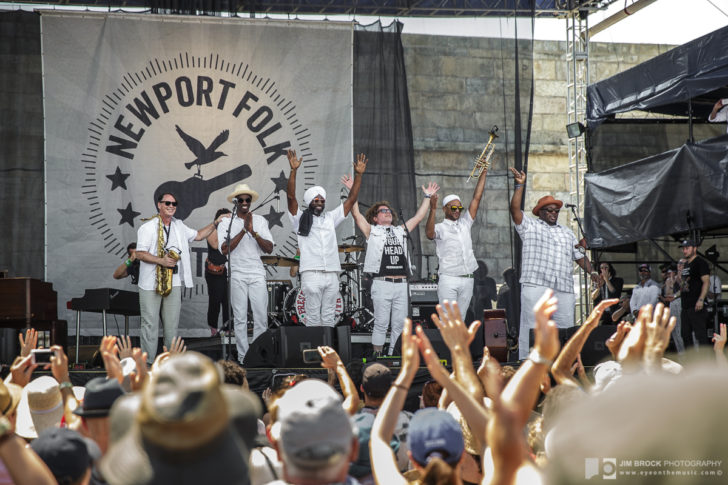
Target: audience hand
632	349
22	370
29	342
177	347
452	328
719	339
59	364
329	358
658	330
124	345
546	334
110	355
137	377
614	342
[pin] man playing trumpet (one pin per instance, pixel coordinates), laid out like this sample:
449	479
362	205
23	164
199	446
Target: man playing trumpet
155	239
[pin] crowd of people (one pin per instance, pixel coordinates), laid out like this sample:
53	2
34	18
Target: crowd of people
187	419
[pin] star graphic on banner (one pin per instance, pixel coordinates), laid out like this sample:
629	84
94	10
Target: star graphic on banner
128	215
273	217
281	182
118	179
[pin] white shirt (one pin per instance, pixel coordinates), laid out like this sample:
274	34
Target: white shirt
319	250
455	246
245	258
179	237
644	295
721	116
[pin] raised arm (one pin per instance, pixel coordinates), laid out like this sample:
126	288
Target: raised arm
430	226
716	107
361	221
431	190
561	370
384	463
121	272
477	194
210	228
291	188
517	199
330	360
360	165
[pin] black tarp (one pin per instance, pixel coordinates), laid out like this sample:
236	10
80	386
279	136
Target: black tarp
665	83
669	193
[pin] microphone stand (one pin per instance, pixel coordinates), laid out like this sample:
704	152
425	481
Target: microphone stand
230	324
587	293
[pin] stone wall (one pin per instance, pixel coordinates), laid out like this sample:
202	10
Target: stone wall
457	93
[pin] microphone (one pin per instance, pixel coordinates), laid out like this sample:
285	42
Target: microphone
570	206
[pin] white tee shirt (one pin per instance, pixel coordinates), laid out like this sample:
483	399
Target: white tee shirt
245	258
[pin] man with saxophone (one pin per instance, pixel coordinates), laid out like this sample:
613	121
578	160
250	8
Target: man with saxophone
454	246
164	252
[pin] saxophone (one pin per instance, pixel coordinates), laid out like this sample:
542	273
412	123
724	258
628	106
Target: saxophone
164	274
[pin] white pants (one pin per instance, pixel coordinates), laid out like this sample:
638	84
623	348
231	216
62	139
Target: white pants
390	305
675	311
242	288
321	289
456	288
150	303
530	294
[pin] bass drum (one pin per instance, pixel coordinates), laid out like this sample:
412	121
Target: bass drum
294	307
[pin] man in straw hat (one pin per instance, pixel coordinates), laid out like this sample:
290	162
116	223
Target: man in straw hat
548	251
454	246
316	231
249	239
174	234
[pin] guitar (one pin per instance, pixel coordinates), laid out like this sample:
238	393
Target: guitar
194	192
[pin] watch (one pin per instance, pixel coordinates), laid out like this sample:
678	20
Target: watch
537	358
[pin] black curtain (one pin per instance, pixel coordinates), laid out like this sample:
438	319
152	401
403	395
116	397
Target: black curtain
21	146
382	127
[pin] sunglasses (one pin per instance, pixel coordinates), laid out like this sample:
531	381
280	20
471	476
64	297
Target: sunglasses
643	270
385	211
456	207
242	200
169	202
551	211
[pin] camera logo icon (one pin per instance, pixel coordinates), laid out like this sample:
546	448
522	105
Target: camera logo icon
606	468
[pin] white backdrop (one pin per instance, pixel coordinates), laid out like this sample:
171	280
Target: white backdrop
127	99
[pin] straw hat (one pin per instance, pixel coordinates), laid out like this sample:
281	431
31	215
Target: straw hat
40	407
241	189
10	395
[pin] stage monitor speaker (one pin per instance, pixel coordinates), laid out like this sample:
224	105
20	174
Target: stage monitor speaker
443	352
295	339
422	314
564	335
595	349
495	333
264	351
343	343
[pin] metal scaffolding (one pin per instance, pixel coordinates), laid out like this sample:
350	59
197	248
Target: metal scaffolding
577	80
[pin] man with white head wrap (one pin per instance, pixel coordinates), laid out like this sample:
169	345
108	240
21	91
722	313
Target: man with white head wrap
316	231
454	247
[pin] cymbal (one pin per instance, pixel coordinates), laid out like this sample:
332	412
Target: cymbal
278	261
350	248
349	266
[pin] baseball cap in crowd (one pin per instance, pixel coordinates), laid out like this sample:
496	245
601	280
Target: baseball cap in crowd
313	429
435	433
181	432
687	243
644	266
376	380
99	397
66	453
40	407
10	395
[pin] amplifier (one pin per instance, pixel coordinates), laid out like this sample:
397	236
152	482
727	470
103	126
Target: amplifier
423	293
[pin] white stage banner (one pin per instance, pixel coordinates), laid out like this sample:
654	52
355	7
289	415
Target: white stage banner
136	105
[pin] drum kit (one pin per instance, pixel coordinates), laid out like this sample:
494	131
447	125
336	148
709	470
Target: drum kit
287	303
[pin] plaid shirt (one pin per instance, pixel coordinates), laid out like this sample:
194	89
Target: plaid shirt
547	254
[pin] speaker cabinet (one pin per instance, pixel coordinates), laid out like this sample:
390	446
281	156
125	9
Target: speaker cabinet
295	339
494	327
443	352
264	351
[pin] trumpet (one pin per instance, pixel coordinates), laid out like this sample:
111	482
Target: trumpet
483	161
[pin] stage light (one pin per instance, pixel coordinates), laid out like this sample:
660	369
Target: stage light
575	129
712	254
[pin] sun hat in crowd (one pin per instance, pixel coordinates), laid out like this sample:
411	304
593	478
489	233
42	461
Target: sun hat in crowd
181	432
10	395
312	429
66	453
376	380
40	407
435	433
99	397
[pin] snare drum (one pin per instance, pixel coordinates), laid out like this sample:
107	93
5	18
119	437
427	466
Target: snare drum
295	306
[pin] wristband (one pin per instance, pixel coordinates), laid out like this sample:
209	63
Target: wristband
427	196
518	186
65	385
128	263
537	358
401	386
255	235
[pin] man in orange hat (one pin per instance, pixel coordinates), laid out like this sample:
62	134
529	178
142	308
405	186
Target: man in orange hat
546	260
250	238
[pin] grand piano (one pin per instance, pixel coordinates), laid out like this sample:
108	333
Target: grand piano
105	301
